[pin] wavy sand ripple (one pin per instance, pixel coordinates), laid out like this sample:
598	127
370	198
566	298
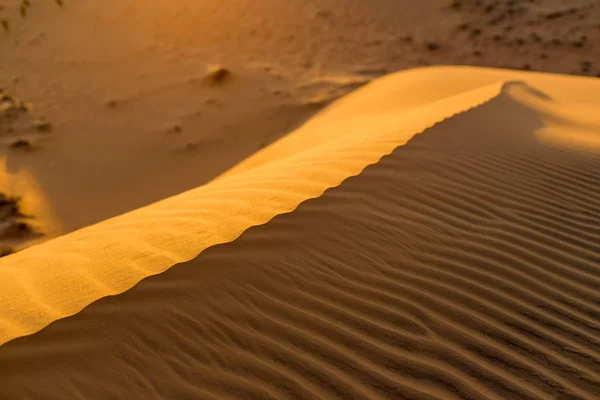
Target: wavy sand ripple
45	283
466	264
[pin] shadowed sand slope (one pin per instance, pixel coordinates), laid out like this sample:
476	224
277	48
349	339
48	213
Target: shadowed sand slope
466	264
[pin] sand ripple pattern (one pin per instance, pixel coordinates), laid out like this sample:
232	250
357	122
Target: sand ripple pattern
466	264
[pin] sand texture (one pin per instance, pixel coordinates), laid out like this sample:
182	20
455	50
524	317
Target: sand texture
433	235
123	83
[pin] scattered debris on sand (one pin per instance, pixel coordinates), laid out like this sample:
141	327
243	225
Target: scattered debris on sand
17	118
500	32
15	230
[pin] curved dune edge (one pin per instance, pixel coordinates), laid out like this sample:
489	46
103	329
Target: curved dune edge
464	264
61	277
406	91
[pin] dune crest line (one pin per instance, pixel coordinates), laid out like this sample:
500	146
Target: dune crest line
464	264
59	278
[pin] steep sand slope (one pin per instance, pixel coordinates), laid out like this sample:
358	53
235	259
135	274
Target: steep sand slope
465	264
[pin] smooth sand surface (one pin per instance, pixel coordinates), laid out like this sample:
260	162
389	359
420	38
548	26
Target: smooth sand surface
433	235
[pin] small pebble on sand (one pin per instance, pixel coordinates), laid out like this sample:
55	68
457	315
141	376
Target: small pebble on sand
42	126
22	144
218	75
433	46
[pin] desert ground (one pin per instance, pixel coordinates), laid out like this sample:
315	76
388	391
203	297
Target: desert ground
300	199
120	114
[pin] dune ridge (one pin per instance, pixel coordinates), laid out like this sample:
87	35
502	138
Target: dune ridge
57	279
465	264
407	91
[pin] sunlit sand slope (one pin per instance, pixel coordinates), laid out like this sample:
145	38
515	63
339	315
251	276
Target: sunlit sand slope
466	264
391	101
45	283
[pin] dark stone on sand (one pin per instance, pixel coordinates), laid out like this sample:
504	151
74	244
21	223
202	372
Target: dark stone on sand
218	75
432	46
42	126
22	144
476	32
554	15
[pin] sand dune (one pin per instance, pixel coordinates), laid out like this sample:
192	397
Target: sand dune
437	242
127	82
129	248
